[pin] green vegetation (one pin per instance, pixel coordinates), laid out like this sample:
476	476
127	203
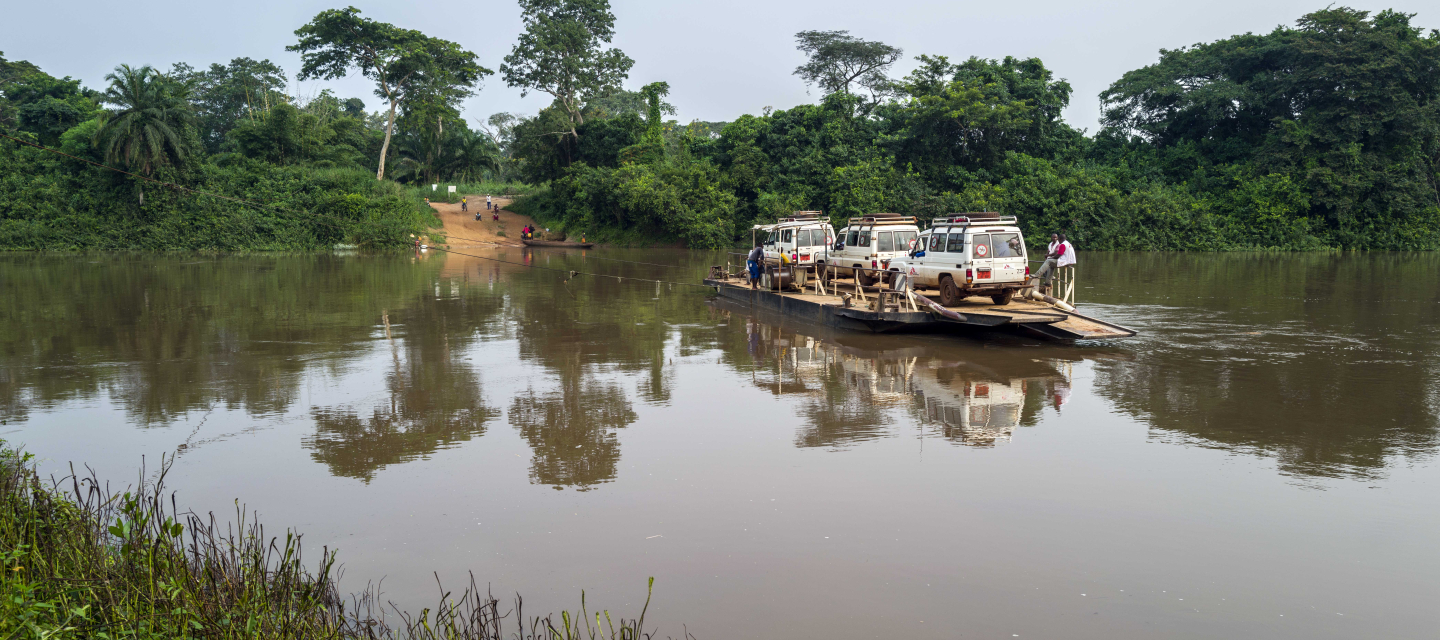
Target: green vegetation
79	562
248	167
1322	135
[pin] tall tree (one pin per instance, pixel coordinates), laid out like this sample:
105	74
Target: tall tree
561	53
146	128
402	62
839	60
226	95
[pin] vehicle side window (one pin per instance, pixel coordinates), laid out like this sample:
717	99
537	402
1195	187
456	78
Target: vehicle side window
937	242
957	243
785	236
1006	245
865	238
774	235
903	240
982	240
854	238
803	236
885	242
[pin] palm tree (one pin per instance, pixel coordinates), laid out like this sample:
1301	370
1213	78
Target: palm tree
468	154
144	130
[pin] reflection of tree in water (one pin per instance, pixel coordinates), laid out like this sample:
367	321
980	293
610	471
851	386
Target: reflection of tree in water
572	431
164	336
1315	416
432	406
435	399
573	330
1323	362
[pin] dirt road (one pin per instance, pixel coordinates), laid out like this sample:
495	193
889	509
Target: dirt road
465	231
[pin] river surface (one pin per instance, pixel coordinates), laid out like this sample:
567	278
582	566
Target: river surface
1260	462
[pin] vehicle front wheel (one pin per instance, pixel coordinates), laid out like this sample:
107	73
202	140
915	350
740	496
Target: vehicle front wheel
949	293
1003	299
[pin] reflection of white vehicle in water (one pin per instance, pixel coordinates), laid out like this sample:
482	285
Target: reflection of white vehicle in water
968	403
972	411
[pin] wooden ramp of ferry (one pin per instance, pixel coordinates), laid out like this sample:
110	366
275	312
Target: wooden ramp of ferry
864	310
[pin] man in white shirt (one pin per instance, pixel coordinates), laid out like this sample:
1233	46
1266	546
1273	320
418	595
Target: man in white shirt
1062	254
1067	253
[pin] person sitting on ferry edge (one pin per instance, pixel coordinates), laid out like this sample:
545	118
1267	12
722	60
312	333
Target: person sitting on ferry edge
1055	254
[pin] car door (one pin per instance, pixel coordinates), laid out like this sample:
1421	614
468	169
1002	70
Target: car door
981	259
1007	255
934	262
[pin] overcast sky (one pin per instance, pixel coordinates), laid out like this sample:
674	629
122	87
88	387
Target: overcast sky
722	59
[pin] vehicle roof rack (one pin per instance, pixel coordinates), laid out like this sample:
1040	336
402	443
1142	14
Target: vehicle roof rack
802	216
983	217
882	219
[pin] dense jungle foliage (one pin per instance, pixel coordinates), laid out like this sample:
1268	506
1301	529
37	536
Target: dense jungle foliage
232	132
1321	135
1325	134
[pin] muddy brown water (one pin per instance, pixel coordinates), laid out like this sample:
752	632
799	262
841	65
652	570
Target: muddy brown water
1259	462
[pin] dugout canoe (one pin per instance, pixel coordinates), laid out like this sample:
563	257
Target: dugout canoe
553	243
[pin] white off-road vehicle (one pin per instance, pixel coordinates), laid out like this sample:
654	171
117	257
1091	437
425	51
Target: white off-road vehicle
871	243
969	254
802	239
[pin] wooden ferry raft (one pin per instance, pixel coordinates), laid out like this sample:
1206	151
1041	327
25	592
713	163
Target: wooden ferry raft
848	306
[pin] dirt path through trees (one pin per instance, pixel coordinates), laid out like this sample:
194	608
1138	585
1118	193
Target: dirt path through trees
465	231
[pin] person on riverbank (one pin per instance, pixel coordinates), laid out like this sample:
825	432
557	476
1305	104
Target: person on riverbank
488	205
462	205
752	262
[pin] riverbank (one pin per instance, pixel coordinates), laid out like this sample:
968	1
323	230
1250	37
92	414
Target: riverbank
462	229
159	572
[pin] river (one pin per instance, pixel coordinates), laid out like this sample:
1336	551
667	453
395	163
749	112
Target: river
1258	462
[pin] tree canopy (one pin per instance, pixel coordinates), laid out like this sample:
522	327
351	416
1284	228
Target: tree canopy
562	53
407	66
838	60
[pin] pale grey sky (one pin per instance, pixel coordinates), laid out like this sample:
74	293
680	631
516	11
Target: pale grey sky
722	59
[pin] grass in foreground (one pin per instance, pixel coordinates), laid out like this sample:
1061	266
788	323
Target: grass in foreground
81	561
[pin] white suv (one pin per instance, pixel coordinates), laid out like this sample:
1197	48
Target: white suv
803	238
970	254
873	242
